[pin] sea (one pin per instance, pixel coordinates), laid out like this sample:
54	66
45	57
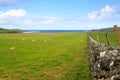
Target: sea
53	31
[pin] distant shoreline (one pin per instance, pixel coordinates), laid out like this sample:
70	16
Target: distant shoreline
54	31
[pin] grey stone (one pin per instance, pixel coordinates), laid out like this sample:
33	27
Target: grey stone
104	61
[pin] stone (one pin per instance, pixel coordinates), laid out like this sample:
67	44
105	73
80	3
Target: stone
104	61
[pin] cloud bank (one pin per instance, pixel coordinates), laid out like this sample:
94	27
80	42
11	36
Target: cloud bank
104	13
105	17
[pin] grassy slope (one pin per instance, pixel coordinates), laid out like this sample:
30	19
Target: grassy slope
2	30
102	37
55	56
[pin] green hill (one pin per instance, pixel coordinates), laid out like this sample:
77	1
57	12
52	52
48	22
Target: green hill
104	30
2	30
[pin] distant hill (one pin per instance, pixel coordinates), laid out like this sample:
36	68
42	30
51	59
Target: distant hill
104	30
2	30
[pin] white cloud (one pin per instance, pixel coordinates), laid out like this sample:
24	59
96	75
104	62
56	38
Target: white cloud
12	17
107	12
104	13
19	18
92	15
13	13
105	17
40	20
17	13
50	21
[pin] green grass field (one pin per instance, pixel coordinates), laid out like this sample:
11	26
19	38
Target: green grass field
102	37
44	56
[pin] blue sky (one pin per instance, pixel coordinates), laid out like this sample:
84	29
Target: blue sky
59	14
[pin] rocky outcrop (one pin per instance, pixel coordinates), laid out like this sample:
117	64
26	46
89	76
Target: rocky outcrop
104	61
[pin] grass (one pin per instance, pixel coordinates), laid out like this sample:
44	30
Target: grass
102	38
44	56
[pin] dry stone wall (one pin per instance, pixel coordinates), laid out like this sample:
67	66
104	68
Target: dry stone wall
104	61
